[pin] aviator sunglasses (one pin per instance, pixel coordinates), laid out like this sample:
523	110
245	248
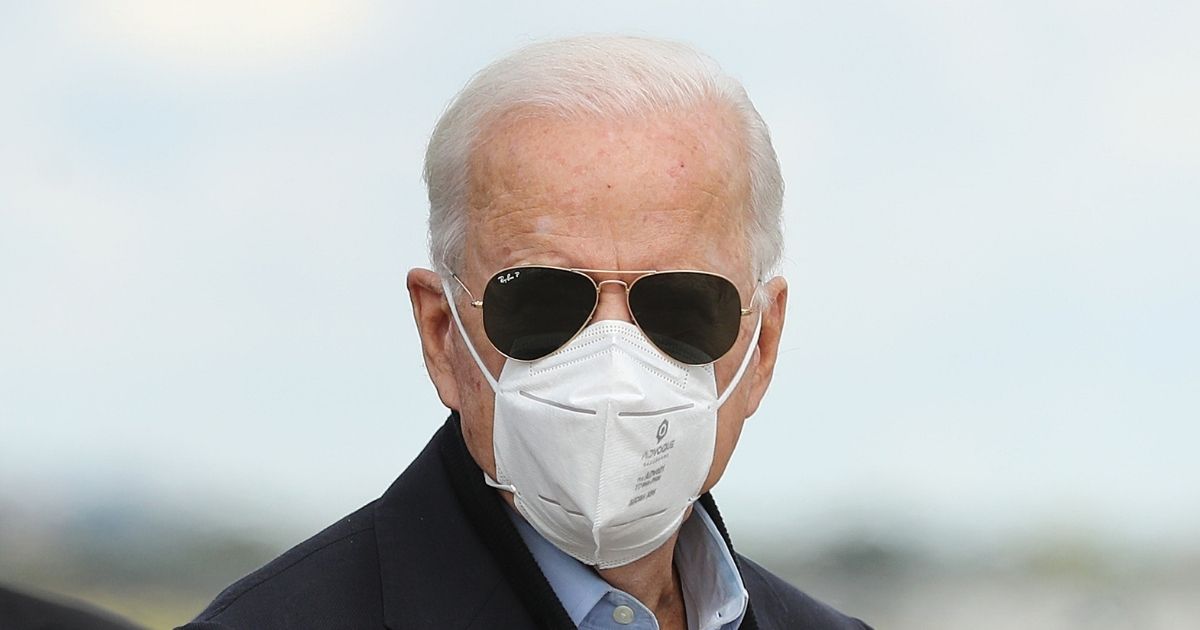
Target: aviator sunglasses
530	311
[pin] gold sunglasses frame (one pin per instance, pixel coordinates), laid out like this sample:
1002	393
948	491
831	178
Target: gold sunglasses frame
641	273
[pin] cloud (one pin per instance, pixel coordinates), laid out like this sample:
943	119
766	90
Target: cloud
224	35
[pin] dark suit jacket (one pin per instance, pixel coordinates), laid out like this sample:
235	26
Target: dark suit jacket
437	550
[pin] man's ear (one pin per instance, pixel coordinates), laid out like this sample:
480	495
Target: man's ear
436	327
773	309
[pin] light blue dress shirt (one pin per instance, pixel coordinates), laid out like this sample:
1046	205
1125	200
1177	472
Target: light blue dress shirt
713	592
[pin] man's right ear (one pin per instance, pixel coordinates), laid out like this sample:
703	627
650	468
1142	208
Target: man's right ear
436	327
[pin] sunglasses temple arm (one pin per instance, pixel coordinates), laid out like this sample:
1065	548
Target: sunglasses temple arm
474	302
462	332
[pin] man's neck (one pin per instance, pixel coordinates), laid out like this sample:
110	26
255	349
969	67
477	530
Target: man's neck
654	581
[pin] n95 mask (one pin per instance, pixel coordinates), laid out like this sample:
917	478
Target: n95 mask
606	442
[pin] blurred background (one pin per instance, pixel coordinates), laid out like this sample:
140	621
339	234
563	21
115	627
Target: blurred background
985	414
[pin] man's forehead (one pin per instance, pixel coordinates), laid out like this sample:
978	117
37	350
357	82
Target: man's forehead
544	185
523	150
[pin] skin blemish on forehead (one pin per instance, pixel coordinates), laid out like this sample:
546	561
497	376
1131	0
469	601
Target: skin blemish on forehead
543	224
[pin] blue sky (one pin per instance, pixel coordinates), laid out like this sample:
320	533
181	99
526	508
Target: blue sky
992	218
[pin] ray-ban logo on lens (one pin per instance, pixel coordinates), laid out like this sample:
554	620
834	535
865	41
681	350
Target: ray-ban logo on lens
662	430
509	277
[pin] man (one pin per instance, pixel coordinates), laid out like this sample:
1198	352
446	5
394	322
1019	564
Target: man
601	319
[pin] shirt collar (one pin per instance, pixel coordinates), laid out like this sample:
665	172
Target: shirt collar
712	585
576	585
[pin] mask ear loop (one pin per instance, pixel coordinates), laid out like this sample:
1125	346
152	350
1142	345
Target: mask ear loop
745	362
462	332
737	377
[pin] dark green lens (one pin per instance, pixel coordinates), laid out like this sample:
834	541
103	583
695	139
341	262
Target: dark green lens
692	317
529	312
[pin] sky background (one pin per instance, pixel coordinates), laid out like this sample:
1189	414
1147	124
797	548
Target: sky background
992	213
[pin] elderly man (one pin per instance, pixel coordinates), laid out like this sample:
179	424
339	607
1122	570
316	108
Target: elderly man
601	319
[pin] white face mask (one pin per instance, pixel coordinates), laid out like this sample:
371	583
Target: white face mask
606	442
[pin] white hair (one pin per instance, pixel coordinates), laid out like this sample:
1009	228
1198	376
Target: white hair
601	76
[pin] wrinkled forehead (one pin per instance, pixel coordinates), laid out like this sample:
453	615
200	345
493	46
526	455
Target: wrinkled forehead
655	191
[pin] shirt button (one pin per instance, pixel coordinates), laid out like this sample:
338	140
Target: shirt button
623	615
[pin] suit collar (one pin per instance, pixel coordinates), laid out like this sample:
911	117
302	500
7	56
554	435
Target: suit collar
441	531
424	544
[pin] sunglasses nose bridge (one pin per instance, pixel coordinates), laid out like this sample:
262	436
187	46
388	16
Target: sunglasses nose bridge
613	303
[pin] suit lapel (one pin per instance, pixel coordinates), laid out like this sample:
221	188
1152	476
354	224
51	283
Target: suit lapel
434	570
749	622
448	555
485	509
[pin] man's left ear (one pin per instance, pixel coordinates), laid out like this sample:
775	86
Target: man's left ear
773	309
